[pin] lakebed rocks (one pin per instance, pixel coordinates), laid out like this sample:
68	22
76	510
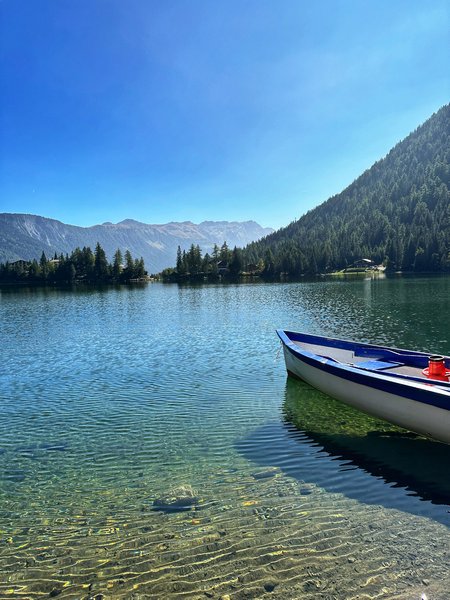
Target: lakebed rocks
266	473
182	497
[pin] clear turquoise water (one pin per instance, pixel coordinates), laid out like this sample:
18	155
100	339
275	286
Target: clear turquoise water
110	397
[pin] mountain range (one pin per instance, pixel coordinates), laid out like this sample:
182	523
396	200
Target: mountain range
25	237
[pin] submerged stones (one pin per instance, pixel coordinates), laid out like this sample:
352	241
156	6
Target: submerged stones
266	473
182	497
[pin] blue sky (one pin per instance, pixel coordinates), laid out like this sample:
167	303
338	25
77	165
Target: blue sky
208	109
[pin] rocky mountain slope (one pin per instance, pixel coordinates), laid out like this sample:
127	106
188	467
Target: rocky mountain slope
27	236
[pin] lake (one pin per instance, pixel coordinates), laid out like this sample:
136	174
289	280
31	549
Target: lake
113	397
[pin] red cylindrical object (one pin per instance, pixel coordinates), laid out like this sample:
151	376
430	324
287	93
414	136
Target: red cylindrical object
436	366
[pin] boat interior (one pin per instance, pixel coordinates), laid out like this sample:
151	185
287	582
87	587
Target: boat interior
372	359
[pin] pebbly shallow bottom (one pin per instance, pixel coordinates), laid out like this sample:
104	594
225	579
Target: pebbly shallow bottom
255	532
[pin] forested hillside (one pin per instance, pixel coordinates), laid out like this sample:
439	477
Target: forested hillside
397	212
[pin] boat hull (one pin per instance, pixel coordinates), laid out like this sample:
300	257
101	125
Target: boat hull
389	400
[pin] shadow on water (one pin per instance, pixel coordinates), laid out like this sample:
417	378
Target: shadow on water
340	449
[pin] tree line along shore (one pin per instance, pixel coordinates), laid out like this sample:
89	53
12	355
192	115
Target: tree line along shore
82	266
226	264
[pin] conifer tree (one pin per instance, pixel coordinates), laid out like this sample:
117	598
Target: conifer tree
101	264
236	261
43	264
224	253
128	271
117	264
181	262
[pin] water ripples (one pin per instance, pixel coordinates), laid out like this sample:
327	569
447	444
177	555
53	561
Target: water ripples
112	397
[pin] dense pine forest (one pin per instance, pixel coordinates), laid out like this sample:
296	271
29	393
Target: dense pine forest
82	266
396	213
192	265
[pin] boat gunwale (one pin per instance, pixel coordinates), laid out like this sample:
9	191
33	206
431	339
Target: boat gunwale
348	344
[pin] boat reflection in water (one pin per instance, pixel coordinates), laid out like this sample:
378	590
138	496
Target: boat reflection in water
323	441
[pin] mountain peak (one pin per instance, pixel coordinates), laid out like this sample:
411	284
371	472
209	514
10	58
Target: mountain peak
27	236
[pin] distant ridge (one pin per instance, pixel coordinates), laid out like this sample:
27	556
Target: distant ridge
24	236
396	212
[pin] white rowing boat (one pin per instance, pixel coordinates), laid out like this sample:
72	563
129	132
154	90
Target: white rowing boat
409	389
